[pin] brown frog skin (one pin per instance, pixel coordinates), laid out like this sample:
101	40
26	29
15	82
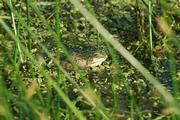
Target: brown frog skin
86	60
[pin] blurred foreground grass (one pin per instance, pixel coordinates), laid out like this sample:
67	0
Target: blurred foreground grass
34	85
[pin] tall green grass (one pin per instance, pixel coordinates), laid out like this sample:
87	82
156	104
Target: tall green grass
28	101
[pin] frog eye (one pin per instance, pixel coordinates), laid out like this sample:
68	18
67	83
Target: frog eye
96	54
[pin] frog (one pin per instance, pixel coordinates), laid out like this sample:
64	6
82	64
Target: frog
87	60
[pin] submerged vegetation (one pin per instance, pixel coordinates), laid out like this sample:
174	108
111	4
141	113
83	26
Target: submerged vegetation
90	59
